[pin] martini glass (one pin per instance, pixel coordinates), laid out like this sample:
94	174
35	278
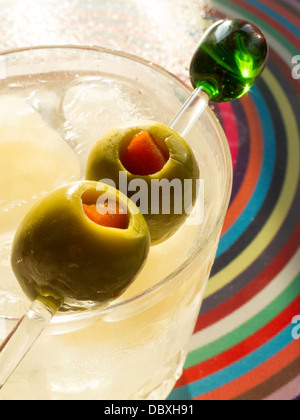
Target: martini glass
230	57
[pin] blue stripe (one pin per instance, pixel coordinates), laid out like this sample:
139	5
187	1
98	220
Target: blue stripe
265	178
272	13
236	370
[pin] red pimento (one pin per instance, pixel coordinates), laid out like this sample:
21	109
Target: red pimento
108	215
143	156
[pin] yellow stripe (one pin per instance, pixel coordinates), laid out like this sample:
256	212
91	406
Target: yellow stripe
266	235
251	308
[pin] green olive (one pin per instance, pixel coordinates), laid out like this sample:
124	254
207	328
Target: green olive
165	197
59	252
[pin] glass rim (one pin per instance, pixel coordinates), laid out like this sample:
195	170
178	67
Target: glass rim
66	318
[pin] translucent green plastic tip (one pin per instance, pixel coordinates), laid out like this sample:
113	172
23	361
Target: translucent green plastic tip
230	57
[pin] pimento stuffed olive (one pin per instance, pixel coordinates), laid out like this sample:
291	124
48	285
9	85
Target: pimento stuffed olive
158	156
83	244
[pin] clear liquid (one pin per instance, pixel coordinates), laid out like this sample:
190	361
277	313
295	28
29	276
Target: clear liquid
72	111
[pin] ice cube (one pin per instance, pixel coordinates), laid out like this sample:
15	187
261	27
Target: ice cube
42	99
34	159
91	106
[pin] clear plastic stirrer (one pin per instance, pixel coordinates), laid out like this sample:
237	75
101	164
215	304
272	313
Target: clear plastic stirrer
230	57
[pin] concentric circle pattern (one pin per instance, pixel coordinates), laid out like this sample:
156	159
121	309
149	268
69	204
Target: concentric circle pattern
246	344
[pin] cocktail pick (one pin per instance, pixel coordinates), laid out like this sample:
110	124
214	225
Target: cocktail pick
20	340
230	57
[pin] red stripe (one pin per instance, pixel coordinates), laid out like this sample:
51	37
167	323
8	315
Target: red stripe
254	165
255	376
270	21
229	124
242	349
260	282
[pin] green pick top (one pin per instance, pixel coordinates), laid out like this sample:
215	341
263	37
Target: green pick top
230	57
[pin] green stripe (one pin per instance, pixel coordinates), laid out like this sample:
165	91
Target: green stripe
244	331
262	25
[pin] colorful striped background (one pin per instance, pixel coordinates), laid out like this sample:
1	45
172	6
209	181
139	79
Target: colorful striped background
243	347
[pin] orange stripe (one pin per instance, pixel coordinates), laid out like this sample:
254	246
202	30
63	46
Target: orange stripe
256	376
254	166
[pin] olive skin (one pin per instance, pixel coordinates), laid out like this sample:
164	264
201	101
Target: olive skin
105	162
58	252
